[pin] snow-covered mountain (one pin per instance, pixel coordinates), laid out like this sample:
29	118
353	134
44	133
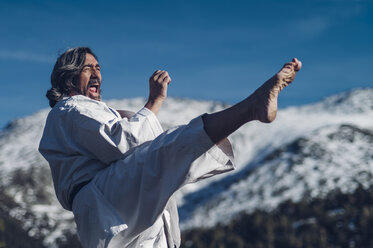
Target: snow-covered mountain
306	152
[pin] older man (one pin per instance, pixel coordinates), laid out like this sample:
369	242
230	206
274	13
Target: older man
118	172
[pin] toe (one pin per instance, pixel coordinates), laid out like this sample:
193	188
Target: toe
298	64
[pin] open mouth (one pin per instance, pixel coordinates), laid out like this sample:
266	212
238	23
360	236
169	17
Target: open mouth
94	88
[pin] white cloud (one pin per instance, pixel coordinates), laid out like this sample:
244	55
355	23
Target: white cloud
25	56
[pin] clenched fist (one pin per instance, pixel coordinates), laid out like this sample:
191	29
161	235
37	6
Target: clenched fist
158	84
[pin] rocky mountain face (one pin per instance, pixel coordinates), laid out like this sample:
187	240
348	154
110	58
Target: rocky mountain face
306	153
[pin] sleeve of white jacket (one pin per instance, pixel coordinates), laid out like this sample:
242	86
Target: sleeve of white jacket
102	135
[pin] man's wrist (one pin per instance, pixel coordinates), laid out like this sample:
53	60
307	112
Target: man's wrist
154	104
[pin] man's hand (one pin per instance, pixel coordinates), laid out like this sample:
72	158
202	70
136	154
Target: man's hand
158	84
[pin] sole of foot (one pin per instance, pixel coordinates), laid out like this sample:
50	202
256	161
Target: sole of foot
266	96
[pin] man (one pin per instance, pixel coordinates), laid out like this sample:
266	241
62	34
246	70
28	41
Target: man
118	172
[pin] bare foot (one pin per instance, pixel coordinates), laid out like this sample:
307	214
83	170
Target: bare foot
265	97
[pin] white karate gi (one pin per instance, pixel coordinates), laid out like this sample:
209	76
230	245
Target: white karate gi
133	169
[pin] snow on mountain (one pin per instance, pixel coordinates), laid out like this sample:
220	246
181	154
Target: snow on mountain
333	157
307	152
264	155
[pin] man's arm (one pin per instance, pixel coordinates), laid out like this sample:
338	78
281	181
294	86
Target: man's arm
158	84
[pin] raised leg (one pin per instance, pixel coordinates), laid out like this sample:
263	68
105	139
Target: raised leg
261	105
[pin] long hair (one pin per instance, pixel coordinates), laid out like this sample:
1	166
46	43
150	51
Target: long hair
65	74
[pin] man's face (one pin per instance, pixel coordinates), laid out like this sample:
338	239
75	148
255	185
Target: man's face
90	78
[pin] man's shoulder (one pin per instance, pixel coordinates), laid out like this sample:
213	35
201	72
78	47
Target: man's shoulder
78	103
82	106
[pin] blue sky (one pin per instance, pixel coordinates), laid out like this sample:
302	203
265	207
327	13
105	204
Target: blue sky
218	50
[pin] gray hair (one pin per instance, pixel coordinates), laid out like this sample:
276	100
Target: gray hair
65	74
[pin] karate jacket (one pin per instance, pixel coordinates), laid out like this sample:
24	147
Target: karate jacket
130	170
